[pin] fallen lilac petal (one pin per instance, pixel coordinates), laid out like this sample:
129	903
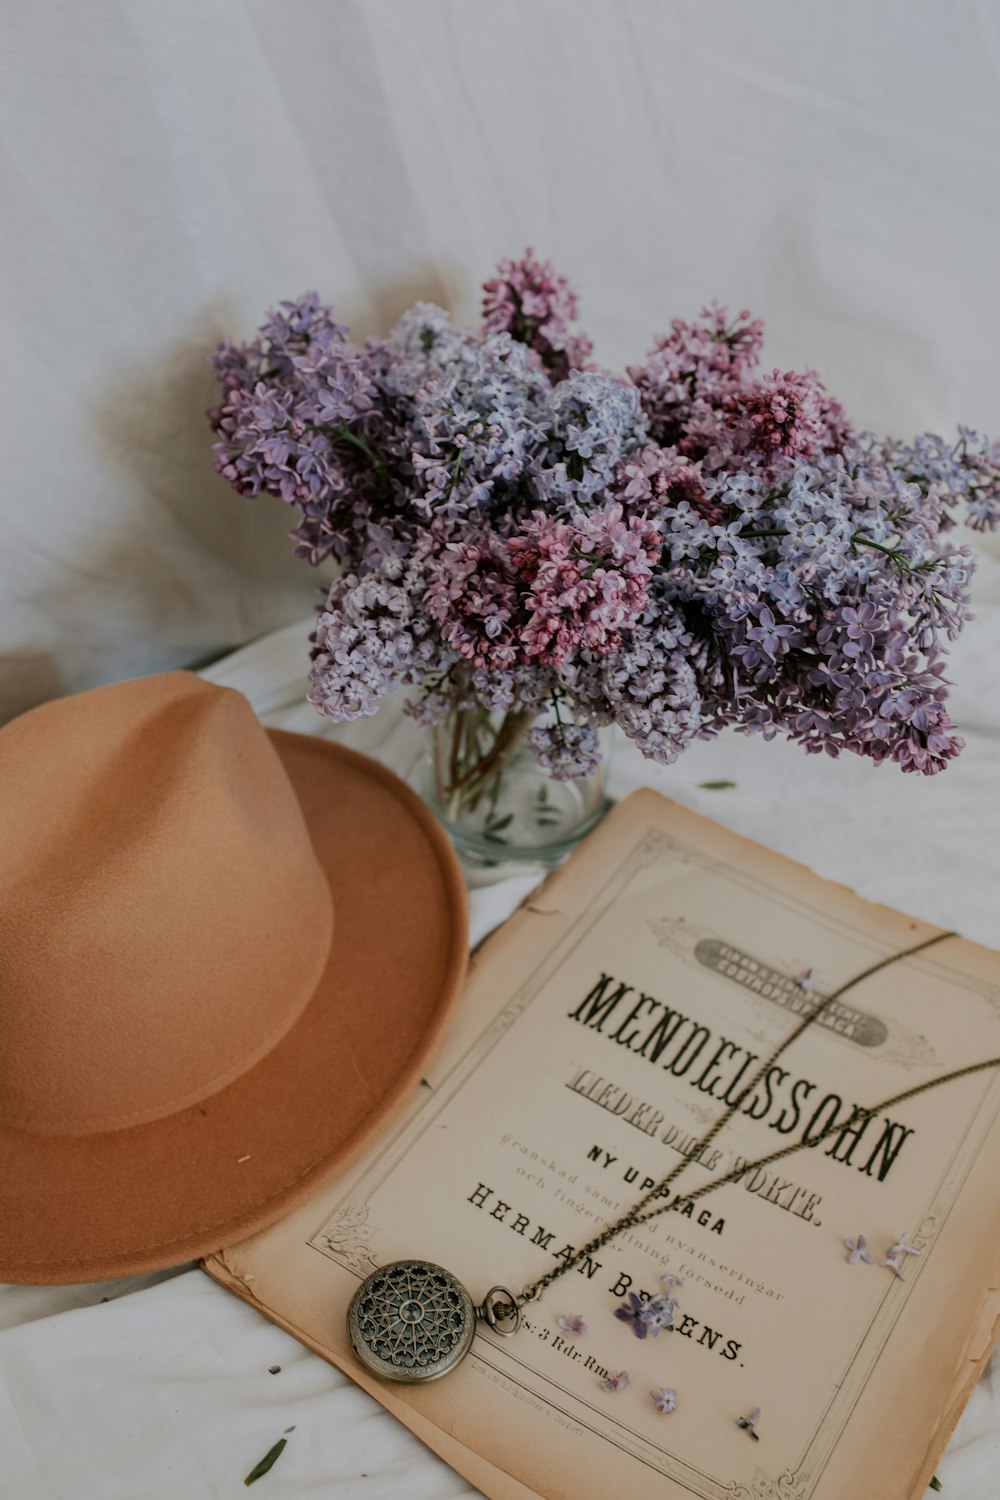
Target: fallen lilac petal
572	1323
632	1312
750	1423
657	1314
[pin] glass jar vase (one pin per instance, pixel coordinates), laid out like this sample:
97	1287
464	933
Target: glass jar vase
496	799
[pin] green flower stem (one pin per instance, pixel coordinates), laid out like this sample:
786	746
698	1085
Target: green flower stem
345	435
477	755
858	540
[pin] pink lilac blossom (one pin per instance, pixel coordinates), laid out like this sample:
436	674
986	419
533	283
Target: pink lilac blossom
692	372
692	547
530	300
657	479
584	581
473	600
783	416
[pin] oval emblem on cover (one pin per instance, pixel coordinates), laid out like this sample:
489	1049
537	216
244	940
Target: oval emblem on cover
411	1320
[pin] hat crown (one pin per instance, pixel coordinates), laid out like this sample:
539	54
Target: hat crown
163	917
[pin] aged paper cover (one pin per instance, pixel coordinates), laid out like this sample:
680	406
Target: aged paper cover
604	1029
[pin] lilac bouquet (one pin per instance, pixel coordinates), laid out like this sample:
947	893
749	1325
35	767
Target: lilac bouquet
532	543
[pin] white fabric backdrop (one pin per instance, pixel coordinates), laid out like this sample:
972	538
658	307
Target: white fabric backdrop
169	170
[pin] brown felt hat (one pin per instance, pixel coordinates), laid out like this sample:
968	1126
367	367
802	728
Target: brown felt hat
225	955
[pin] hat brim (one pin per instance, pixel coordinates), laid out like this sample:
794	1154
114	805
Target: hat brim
128	1201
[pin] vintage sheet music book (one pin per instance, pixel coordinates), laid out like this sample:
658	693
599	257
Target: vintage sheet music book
603	1029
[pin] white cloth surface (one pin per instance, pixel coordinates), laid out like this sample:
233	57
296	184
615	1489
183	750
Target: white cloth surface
167	171
164	1392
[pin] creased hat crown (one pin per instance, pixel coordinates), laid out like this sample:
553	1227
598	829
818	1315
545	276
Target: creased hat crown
163	917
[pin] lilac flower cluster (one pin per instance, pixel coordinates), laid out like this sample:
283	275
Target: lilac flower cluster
530	300
296	403
694	545
584	582
705	401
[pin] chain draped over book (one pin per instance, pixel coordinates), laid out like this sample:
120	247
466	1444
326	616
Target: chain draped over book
636	1216
402	1332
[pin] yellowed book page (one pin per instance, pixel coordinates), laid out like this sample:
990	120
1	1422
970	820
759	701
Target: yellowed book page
604	1029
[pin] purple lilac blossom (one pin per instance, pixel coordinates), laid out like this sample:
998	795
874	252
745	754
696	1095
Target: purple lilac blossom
593	424
297	402
366	641
475	434
567	751
631	1313
658	1314
694	547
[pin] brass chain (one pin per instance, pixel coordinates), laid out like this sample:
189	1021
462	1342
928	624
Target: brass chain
635	1216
